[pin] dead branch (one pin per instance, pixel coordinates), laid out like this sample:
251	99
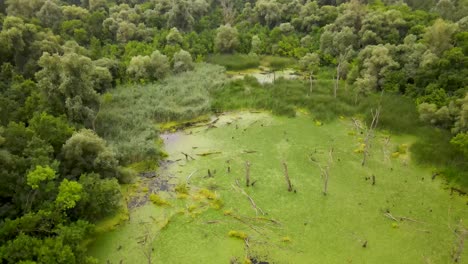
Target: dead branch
187	156
250	151
402	218
208	153
191	174
356	123
252	202
389	215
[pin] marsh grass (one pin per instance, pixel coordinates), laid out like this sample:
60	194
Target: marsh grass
128	114
234	62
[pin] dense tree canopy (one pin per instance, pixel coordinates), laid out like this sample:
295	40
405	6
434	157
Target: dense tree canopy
60	61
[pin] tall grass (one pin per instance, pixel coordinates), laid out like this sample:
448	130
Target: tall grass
128	114
235	62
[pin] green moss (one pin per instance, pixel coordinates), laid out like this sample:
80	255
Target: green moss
157	200
238	234
182	188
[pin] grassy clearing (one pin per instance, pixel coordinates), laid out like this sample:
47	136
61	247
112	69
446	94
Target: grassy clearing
300	226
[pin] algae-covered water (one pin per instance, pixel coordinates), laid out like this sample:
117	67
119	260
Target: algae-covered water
404	216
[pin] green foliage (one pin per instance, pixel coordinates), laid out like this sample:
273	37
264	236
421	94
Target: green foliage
86	152
461	142
38	175
53	130
154	67
70	192
100	198
226	40
182	62
50	87
57	80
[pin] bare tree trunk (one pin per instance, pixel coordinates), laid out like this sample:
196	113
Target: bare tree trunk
337	78
311	82
286	176
370	134
325	182
247	173
326	172
461	234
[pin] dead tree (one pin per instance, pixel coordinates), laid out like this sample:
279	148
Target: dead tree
247	173
325	182
370	134
147	244
286	176
325	171
341	60
461	234
311	80
229	11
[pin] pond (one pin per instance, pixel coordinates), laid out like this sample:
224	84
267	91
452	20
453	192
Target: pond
403	216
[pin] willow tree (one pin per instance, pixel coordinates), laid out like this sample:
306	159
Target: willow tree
227	39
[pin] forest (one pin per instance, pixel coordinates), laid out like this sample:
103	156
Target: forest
93	91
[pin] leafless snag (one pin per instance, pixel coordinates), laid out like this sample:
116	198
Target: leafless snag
286	176
325	171
370	134
229	12
461	233
341	59
247	173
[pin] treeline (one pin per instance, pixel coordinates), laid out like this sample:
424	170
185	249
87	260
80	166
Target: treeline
57	59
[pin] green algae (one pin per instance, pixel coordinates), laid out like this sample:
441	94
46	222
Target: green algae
351	224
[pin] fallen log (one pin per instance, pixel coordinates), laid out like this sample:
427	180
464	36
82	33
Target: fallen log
250	151
208	153
252	202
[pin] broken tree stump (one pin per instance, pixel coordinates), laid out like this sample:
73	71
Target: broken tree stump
247	173
286	176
